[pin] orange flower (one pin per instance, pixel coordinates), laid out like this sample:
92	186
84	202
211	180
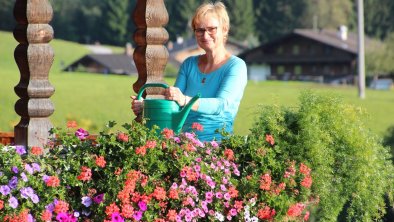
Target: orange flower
233	192
46	215
197	126
127	211
141	150
159	193
265	182
307	182
270	139
173	194
35	150
168	133
72	124
150	144
61	207
295	210
52	181
100	161
123	137
266	213
172	215
86	174
1	204
304	169
229	154
112	208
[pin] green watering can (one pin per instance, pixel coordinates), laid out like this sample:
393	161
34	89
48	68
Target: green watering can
164	113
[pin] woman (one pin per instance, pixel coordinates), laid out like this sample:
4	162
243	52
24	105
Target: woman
217	75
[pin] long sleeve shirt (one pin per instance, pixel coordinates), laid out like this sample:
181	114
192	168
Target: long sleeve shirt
221	92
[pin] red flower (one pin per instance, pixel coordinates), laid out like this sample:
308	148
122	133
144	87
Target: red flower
295	210
270	139
171	215
72	124
52	181
159	193
229	154
307	182
46	215
306	216
1	204
266	213
86	174
150	144
100	161
123	137
233	192
127	211
197	126
118	171
167	133
304	169
141	150
61	207
112	208
173	194
265	182
35	150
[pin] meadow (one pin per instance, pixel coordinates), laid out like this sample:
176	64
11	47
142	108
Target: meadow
93	100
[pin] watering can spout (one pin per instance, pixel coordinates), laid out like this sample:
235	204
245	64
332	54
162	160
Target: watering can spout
181	116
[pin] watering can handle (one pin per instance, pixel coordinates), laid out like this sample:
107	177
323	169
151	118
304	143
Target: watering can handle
165	86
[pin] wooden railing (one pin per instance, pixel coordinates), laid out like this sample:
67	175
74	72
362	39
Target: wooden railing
34	57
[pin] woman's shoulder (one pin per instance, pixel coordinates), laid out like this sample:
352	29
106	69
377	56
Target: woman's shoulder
191	59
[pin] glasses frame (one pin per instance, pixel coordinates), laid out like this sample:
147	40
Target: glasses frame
201	31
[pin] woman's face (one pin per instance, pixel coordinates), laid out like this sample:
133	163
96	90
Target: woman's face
209	33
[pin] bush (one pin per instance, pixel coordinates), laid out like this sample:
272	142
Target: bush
352	171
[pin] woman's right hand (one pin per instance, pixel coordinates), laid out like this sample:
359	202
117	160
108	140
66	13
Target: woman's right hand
137	105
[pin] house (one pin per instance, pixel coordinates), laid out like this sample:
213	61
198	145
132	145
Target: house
328	56
181	49
105	62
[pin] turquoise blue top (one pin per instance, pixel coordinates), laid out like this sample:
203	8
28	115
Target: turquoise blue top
221	93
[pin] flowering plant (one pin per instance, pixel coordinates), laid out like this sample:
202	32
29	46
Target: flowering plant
138	175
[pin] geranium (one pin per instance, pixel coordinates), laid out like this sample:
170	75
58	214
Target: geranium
35	150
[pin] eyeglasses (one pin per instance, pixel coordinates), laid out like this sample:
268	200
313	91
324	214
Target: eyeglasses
209	30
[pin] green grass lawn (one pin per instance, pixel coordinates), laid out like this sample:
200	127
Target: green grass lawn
92	99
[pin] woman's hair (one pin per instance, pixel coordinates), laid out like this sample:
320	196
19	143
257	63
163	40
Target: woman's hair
217	9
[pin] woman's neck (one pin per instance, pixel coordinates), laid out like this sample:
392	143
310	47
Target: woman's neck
212	60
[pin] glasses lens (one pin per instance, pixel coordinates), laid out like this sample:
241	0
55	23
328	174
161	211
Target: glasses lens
209	30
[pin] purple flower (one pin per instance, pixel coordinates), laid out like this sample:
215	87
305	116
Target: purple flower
81	134
115	217
24	177
1	173
20	150
45	178
26	192
13	202
5	190
30	218
34	198
177	140
29	169
214	144
142	205
36	167
51	207
62	217
86	201
13	182
99	198
15	169
137	215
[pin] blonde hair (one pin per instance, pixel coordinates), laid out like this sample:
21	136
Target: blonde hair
217	9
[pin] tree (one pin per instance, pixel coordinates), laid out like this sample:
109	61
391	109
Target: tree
241	18
379	18
116	20
7	21
277	17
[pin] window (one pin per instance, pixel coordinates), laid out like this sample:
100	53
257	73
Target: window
280	70
296	49
298	70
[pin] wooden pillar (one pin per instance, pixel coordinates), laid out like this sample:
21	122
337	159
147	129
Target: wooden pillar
34	57
150	55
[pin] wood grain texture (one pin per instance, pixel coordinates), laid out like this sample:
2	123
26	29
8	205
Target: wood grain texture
34	57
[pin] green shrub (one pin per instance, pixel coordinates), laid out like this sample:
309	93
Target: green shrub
352	171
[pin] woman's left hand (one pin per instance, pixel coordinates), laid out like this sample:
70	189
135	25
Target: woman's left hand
175	94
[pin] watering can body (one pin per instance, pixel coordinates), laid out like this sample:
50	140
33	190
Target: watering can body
164	113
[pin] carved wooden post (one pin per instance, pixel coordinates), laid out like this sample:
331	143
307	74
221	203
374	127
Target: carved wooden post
34	57
150	55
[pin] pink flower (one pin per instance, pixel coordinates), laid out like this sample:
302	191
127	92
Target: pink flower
81	134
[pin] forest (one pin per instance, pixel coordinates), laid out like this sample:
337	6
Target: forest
253	22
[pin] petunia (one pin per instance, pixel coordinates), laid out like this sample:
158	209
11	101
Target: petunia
142	205
34	198
115	217
86	201
36	167
5	190
137	215
20	149
81	134
24	177
13	202
15	169
99	198
13	182
29	169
